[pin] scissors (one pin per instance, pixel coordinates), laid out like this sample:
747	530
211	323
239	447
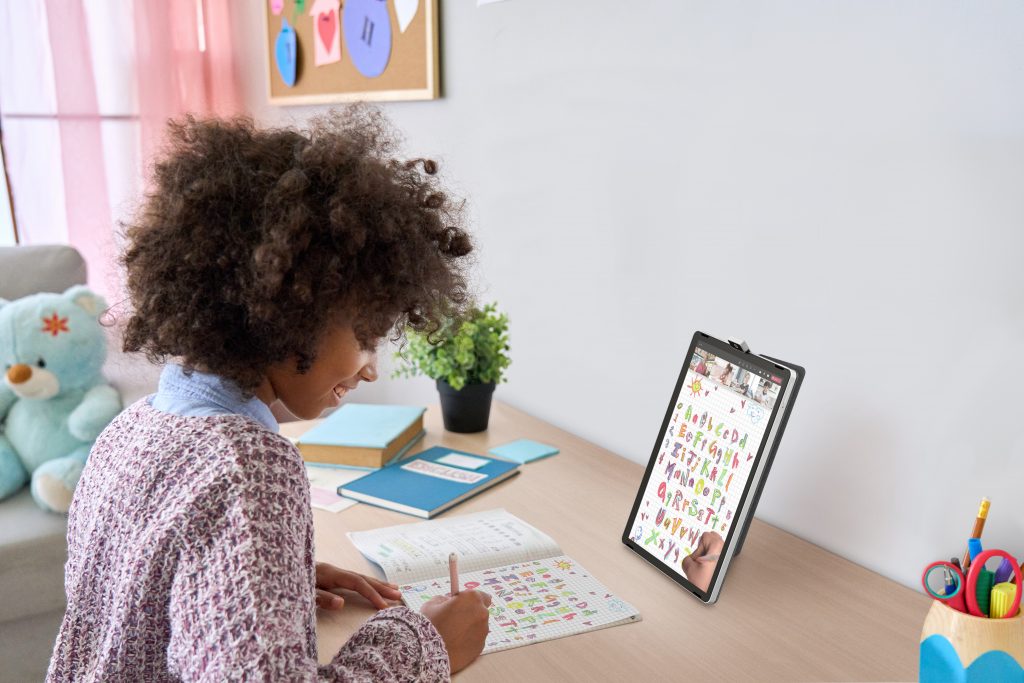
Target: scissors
964	597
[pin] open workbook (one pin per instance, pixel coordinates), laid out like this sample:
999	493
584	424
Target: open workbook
537	592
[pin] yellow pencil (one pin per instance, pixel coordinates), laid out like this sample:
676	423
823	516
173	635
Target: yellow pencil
979	526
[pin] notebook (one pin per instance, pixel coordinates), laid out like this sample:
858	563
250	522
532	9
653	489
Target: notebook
523	451
537	592
362	435
429	482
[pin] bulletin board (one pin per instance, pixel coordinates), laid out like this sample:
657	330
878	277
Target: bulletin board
323	51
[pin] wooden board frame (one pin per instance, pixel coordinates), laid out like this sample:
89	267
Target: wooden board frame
327	93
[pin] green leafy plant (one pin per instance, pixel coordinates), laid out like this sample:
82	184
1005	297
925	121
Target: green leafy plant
473	350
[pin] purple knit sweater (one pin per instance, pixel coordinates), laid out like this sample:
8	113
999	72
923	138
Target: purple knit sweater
190	557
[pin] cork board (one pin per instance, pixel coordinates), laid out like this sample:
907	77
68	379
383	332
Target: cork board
356	46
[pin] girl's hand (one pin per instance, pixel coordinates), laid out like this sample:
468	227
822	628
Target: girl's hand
330	579
462	623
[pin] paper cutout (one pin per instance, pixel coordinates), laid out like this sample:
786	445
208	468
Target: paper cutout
367	28
276	6
327	42
286	52
405	10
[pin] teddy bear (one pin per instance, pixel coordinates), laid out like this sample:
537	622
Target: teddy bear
54	401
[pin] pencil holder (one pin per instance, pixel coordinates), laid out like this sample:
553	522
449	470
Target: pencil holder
959	647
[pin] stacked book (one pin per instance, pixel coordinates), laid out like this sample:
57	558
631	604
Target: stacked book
363	436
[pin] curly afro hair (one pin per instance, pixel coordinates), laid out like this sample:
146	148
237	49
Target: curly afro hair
253	241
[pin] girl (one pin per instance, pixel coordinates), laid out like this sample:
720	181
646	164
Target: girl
270	264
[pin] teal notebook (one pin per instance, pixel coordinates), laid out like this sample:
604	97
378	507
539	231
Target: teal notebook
523	451
363	435
430	482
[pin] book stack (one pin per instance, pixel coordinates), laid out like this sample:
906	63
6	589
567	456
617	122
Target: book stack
363	436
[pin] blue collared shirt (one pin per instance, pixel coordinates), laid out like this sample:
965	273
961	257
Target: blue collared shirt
201	394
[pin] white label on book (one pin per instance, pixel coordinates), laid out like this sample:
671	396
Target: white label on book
459	460
432	469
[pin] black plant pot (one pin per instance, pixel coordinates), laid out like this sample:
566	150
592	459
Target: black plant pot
467	409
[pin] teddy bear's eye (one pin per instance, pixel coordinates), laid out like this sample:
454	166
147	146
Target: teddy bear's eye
41	363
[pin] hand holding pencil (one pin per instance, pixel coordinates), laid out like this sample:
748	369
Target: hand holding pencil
461	618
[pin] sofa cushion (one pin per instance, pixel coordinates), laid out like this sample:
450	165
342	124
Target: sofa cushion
45	268
33	549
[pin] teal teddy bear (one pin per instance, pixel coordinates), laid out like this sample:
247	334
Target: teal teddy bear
54	401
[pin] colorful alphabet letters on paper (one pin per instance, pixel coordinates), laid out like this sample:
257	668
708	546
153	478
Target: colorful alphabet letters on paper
534	601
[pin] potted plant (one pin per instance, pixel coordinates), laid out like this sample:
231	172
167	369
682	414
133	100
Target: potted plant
467	358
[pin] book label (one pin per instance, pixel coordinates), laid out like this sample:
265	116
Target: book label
432	469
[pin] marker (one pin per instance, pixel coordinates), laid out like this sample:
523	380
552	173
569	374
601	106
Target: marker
707	558
453	571
979	526
1004	572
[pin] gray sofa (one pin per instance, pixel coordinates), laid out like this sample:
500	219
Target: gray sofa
33	543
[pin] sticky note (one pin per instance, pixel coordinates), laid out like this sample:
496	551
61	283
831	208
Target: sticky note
459	460
523	451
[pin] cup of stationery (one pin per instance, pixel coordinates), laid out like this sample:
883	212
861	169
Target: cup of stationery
974	630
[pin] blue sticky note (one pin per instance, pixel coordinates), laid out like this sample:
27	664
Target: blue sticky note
523	451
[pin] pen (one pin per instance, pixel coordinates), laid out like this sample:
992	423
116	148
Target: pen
707	558
979	526
453	570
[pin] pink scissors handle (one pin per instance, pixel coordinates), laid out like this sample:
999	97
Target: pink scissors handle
954	599
977	564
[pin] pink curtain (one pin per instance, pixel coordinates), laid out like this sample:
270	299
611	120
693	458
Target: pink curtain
183	63
81	141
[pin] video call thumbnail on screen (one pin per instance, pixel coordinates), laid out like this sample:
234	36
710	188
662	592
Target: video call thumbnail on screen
741	380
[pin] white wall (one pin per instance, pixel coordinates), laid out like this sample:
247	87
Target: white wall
840	183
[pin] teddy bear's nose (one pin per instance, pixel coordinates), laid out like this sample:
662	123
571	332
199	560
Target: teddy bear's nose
19	373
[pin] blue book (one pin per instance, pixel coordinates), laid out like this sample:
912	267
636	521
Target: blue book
363	436
429	482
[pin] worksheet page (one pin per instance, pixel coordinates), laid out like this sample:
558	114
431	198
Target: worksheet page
533	601
414	552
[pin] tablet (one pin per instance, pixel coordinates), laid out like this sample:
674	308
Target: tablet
710	461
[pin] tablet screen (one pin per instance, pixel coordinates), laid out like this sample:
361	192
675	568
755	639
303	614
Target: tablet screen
706	454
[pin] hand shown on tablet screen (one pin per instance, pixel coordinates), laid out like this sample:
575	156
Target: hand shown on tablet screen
700	564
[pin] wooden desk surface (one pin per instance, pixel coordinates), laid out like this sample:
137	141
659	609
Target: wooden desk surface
789	610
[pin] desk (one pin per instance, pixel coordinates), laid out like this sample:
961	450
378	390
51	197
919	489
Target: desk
830	620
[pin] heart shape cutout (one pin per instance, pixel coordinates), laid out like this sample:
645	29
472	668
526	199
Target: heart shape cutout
326	26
